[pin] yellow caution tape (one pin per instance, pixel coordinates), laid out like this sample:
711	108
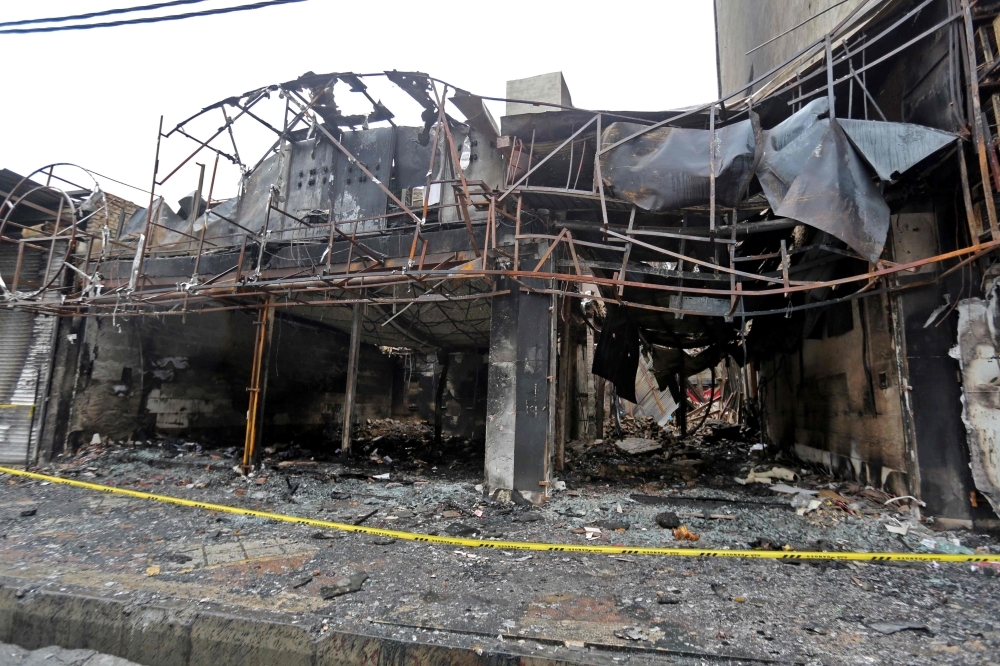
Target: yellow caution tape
514	545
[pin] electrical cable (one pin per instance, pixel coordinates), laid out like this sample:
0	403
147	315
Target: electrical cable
150	19
106	12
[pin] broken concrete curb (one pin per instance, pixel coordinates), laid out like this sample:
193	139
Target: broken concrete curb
180	634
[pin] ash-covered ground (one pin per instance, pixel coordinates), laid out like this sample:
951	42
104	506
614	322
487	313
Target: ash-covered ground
591	608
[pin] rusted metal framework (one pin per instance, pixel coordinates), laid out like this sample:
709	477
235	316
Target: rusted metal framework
552	221
717	269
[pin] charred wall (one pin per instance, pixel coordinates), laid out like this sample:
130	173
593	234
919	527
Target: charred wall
835	400
145	375
741	25
464	398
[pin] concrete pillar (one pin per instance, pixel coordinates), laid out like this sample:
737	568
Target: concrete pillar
519	430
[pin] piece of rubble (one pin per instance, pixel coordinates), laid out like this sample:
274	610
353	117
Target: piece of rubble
343	585
326	535
895	627
792	490
668	520
461	530
636	445
863	584
782	473
632	634
804	503
528	517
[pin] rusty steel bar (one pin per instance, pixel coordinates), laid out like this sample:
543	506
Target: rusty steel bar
457	168
264	323
465	275
551	248
17	268
628	249
864	68
205	143
977	121
545	159
144	238
970	215
600	178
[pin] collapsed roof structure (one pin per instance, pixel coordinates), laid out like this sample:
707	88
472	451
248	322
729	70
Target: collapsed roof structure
833	187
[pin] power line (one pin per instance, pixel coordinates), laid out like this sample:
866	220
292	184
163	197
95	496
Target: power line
151	19
107	12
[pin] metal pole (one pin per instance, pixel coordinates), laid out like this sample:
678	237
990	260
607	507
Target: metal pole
352	379
711	168
143	242
264	325
829	77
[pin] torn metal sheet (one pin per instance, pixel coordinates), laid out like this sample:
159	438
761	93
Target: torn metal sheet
891	149
835	193
669	168
219	229
651	400
477	115
976	352
165	217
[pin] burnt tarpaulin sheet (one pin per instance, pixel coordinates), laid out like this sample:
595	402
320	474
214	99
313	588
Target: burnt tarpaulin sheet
819	171
669	167
787	147
891	149
617	355
835	193
670	361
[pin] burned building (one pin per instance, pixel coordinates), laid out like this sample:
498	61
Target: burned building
823	231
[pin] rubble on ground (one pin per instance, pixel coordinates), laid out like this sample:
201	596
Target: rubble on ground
684	495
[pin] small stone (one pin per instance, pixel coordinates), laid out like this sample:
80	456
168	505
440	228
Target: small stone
27	513
461	530
863	584
668	520
343	585
529	517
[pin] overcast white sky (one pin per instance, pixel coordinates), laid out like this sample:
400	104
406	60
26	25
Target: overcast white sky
94	97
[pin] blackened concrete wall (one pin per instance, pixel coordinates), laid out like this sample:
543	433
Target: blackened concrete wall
821	403
144	376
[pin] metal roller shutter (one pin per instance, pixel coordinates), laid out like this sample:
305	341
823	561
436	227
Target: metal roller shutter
26	343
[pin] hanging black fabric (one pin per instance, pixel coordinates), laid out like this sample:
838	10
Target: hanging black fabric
617	356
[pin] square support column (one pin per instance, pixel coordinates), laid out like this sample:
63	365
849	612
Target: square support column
519	427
